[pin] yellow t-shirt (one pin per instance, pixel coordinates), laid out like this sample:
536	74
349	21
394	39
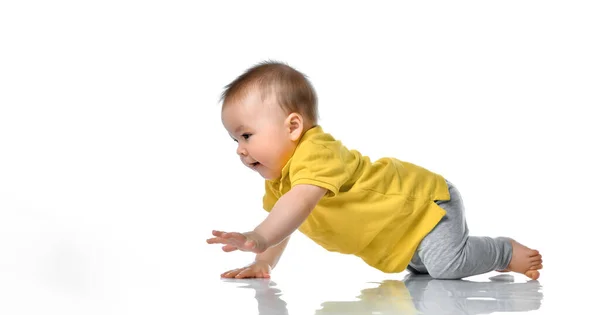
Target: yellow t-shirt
377	210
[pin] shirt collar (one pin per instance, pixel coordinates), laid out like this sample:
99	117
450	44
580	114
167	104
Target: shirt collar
307	135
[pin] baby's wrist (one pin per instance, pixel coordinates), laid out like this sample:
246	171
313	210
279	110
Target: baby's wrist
260	242
264	261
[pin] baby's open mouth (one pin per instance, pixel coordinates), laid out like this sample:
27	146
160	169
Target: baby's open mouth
255	164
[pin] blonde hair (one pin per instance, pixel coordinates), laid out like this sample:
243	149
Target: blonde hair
292	90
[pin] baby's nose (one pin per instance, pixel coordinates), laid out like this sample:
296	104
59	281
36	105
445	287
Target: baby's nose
241	151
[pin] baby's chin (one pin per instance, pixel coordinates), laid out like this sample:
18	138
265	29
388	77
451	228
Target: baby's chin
268	175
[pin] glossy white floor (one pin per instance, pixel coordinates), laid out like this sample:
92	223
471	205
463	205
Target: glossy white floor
394	295
52	267
115	167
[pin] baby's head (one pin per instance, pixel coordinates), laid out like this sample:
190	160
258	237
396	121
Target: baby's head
266	110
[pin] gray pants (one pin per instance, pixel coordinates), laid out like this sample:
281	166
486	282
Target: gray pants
448	252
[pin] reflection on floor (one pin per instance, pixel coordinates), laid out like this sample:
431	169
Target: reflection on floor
415	294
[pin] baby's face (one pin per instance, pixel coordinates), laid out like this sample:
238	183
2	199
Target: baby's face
259	128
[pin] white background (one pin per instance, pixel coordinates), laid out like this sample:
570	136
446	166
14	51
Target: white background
114	165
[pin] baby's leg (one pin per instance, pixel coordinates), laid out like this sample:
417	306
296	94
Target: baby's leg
448	252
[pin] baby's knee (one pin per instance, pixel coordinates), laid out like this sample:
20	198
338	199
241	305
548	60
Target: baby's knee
445	273
445	276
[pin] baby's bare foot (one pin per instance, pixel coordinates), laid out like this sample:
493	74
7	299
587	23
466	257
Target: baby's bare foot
525	260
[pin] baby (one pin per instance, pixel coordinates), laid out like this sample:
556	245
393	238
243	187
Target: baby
392	214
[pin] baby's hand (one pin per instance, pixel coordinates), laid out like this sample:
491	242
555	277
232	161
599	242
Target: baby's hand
247	242
258	269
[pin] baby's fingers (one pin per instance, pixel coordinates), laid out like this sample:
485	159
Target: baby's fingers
215	240
234	236
246	273
229	248
231	273
218	233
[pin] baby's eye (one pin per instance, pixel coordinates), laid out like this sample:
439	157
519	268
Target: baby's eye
246	136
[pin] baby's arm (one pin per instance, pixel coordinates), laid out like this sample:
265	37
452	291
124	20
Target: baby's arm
286	216
272	255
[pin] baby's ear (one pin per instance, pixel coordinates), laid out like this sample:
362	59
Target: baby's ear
294	126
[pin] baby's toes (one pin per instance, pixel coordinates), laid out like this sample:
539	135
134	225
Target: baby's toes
536	267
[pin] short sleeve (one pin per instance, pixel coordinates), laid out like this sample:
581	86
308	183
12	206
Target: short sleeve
320	165
270	196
